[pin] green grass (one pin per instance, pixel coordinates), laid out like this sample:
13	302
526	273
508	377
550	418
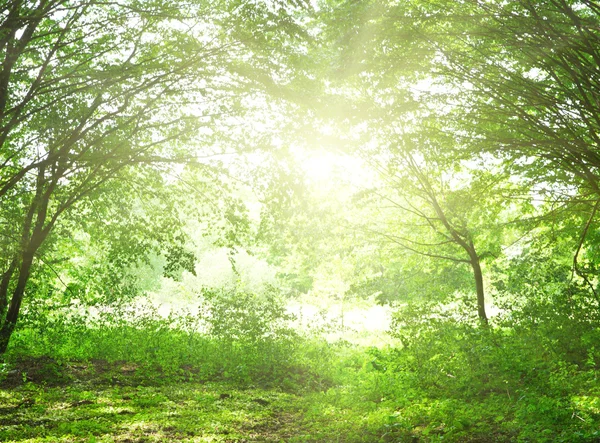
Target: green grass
169	412
152	382
42	400
104	402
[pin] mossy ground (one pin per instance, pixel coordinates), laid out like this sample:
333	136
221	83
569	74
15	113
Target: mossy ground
101	402
491	387
42	400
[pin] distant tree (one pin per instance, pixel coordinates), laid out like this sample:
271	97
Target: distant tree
522	78
515	81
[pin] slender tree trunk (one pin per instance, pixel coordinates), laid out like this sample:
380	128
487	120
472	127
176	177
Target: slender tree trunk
463	239
10	321
4	287
31	241
475	262
478	275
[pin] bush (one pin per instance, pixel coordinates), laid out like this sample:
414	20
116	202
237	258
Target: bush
240	336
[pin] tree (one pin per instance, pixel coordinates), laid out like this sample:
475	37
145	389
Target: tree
391	128
90	90
516	78
532	67
520	80
512	82
451	212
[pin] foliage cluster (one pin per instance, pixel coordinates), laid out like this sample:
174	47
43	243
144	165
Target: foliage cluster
236	335
455	381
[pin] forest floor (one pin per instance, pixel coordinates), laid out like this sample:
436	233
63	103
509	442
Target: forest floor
42	400
88	401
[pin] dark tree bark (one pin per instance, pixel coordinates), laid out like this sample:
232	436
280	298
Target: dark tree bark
32	238
478	276
10	321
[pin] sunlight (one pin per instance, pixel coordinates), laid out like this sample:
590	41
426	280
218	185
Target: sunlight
333	169
319	167
361	325
324	221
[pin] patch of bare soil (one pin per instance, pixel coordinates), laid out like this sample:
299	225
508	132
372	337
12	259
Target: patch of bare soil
50	372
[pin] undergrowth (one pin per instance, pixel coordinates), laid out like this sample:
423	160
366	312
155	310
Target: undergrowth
450	380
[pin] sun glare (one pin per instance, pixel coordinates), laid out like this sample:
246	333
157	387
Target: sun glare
331	168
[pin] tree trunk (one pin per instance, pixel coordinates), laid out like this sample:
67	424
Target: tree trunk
478	275
31	242
463	239
4	286
10	321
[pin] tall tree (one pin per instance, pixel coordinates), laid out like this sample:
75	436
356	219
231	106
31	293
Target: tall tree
515	80
90	89
522	80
